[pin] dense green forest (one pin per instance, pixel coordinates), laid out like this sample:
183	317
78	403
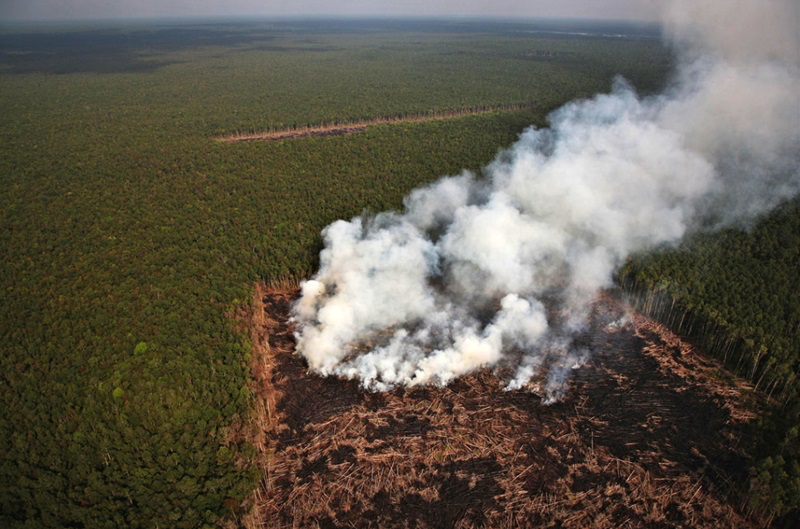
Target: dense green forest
129	235
736	292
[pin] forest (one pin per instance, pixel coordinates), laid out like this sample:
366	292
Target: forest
131	237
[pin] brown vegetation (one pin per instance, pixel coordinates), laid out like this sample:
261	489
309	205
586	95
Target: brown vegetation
352	127
647	436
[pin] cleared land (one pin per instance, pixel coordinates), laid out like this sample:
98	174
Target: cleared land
628	446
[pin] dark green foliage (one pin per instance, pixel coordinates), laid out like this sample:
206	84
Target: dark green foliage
776	484
128	236
737	293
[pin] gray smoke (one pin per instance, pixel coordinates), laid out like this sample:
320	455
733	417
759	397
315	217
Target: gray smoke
498	269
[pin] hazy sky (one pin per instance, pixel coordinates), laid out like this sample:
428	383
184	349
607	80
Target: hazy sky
86	9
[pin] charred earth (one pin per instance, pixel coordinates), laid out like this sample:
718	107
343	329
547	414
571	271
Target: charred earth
649	434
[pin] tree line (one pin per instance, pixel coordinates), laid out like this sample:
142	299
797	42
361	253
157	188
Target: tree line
736	293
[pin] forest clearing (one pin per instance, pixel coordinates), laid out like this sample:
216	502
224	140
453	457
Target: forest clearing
627	446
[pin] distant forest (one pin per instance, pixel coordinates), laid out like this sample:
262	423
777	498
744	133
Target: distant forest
130	238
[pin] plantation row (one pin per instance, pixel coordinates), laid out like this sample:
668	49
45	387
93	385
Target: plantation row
737	294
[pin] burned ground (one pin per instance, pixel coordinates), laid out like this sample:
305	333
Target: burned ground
648	435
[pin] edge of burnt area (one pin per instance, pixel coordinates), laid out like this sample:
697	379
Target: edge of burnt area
680	414
655	424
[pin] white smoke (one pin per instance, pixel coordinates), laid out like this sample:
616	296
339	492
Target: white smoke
498	269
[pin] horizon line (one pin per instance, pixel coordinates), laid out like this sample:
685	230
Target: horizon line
320	17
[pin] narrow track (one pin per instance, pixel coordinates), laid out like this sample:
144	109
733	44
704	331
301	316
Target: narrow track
353	127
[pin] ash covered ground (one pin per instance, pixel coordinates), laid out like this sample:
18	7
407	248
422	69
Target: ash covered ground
648	434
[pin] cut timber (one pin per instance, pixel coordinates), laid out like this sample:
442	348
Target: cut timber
632	444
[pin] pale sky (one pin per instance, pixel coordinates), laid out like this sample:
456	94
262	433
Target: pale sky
104	9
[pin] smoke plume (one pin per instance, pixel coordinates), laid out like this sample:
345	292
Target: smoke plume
498	269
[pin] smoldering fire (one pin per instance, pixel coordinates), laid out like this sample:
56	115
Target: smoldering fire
458	279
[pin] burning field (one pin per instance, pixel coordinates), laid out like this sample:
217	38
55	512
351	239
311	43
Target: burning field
648	434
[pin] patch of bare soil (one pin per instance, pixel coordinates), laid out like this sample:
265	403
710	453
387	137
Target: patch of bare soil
341	129
648	435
